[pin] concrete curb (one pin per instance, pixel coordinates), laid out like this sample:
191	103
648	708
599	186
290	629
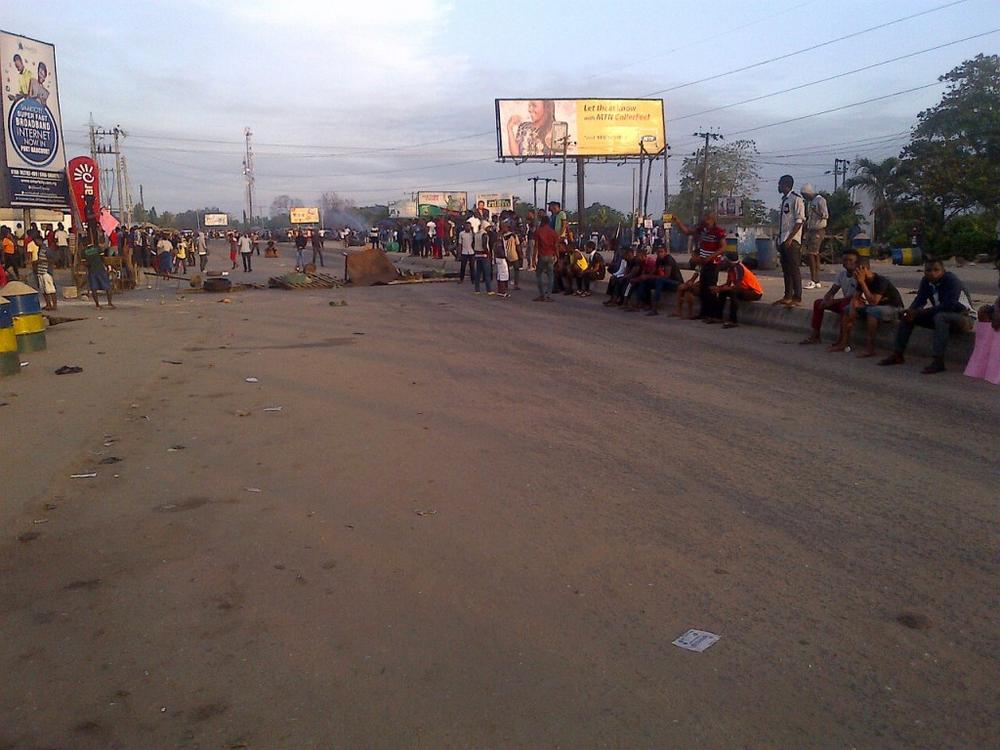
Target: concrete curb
765	315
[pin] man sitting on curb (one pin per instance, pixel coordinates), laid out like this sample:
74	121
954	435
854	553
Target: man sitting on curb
653	267
618	275
741	286
948	312
668	277
633	269
586	266
877	301
845	283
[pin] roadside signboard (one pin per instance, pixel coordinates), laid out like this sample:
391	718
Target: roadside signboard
436	203
216	220
303	215
33	155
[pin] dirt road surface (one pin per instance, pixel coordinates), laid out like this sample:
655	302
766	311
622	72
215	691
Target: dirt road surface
477	523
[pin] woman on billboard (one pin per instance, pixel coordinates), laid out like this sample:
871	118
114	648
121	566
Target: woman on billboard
535	137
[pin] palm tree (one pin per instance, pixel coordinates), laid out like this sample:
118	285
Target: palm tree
883	182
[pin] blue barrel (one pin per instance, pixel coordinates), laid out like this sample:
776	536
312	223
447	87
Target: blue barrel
766	254
732	245
26	310
863	245
907	256
10	363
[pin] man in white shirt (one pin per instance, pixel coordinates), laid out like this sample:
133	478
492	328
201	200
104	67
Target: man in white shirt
467	253
791	219
201	247
246	251
817	215
62	245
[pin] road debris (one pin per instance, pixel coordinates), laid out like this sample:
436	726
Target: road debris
425	512
243	413
273	408
110	460
696	640
252	380
175	448
89	475
171	362
253	489
69	370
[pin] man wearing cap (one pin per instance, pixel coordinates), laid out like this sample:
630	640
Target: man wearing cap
817	215
791	219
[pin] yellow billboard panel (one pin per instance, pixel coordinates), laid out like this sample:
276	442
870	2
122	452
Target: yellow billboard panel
544	128
303	215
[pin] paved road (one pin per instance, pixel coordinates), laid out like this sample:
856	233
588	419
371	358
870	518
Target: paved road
481	523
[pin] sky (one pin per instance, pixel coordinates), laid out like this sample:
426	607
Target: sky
373	100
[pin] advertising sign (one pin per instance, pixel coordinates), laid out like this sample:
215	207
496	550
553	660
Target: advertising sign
34	157
727	206
495	202
539	128
85	187
434	204
303	215
403	210
216	220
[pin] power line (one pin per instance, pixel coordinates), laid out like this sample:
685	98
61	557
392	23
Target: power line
787	55
835	77
837	109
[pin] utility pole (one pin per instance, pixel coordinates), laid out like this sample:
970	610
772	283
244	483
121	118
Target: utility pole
839	168
127	188
93	139
581	201
115	149
248	173
638	207
704	179
547	181
666	178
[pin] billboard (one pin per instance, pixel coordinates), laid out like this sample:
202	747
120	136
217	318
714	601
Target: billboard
727	206
34	156
403	210
216	220
303	215
495	202
538	128
434	204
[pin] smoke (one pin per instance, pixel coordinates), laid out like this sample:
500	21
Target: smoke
339	212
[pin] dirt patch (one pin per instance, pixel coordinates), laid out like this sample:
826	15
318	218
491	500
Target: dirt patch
181	505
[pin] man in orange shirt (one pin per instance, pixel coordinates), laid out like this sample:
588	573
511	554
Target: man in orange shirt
9	252
741	286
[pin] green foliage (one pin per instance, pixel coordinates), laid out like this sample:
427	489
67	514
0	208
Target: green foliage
885	182
732	171
966	237
843	212
953	160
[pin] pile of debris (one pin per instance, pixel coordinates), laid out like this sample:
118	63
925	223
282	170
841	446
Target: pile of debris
303	281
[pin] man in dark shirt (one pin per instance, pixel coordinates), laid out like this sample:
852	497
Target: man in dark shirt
711	240
877	301
666	275
947	312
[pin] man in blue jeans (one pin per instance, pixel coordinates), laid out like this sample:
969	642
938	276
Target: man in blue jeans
948	312
546	248
481	251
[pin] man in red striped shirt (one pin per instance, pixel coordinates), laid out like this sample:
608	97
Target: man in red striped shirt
711	239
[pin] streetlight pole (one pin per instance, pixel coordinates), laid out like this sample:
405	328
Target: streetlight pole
707	135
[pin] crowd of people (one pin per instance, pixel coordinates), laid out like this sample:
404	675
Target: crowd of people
499	248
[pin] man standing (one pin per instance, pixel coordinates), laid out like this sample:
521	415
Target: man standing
711	244
246	251
546	241
317	247
791	219
467	254
300	249
559	223
817	215
201	247
949	311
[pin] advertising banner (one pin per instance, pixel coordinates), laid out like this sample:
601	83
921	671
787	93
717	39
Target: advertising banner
303	215
495	202
540	128
85	188
727	206
434	204
403	210
34	157
216	220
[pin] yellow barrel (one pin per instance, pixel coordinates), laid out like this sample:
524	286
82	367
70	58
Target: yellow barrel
29	323
863	245
732	245
10	363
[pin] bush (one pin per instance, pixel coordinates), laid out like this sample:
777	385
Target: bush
966	237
